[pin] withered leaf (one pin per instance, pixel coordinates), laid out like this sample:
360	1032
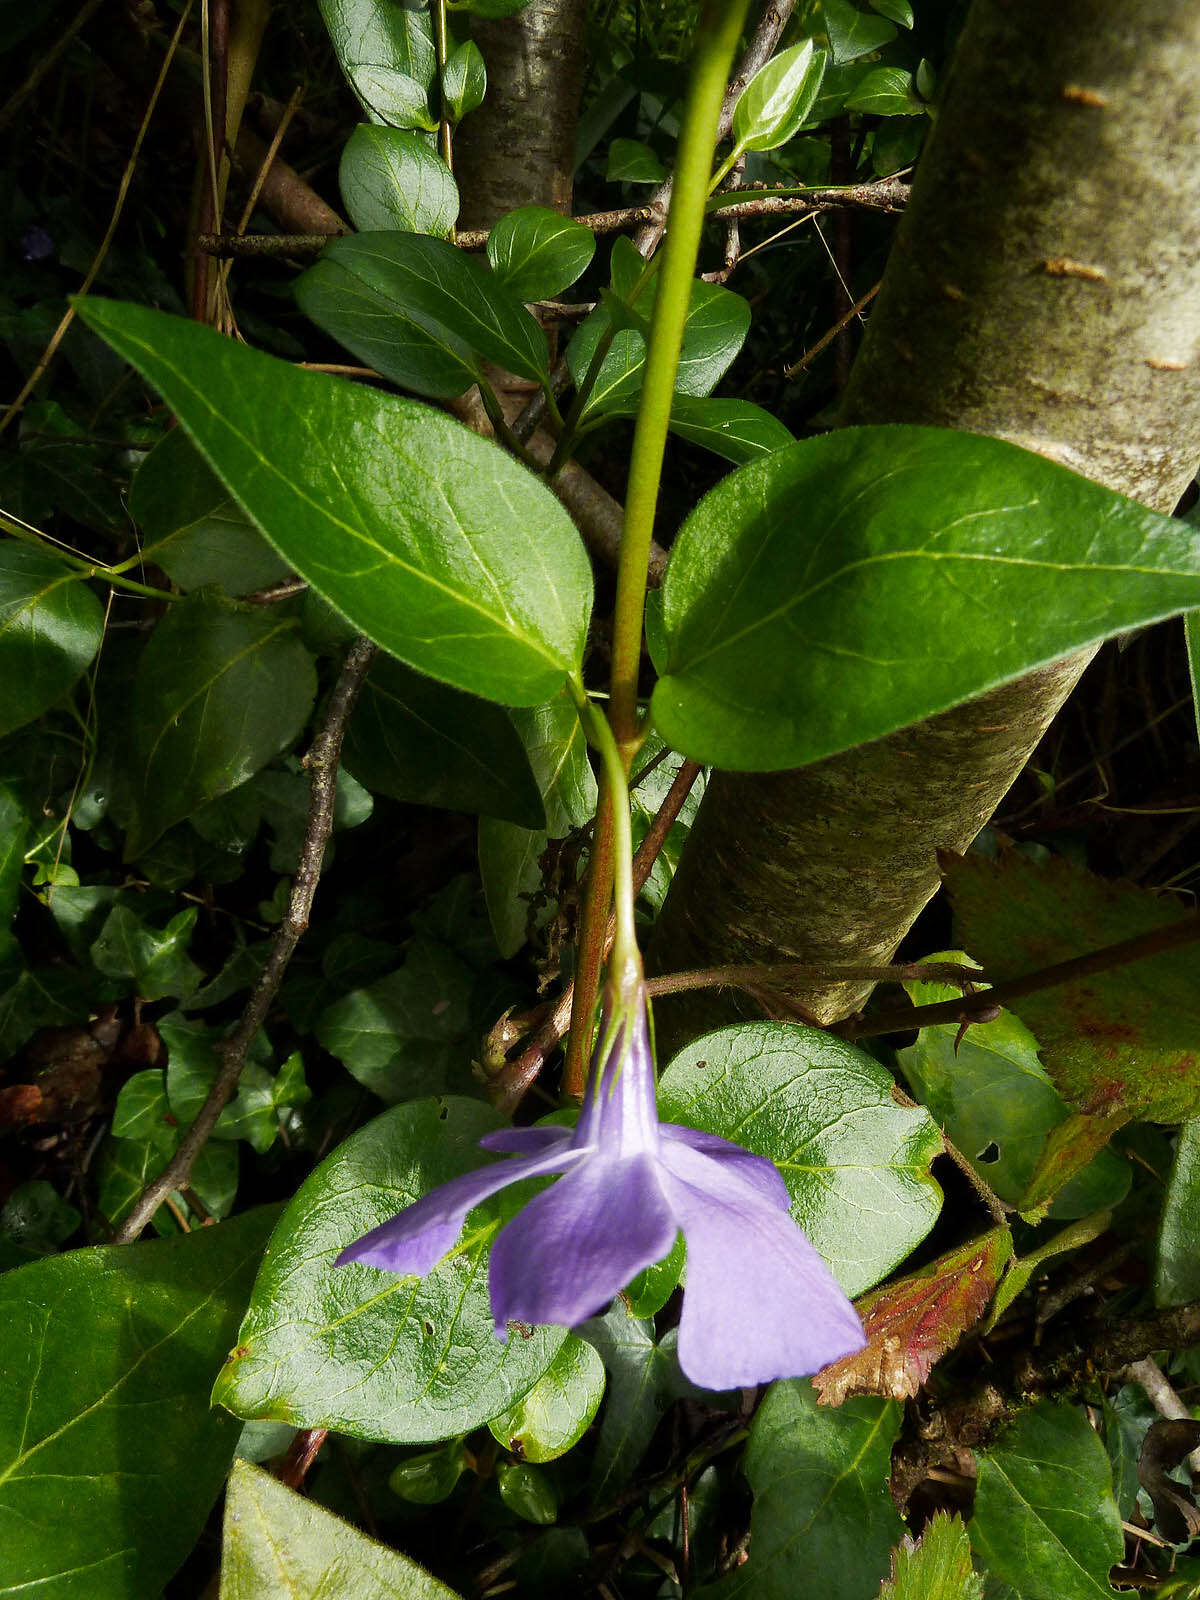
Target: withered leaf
1176	1514
911	1324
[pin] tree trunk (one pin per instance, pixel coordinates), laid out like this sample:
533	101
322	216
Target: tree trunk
1044	288
519	147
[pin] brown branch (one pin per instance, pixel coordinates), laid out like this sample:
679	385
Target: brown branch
322	763
511	1083
973	1007
889	194
827	339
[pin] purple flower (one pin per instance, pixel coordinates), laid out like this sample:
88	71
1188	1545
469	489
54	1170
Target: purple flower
759	1302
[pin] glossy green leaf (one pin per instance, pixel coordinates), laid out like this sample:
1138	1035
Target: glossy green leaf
51	625
14	831
851	32
1020	1271
643	1379
1045	1519
887	92
558	1410
536	252
464	80
351	306
898	11
937	1566
997	1104
856	1164
110	1463
441	548
430	1477
219	690
738	430
1177	1268
279	1545
775	104
155	961
143	1111
527	1491
821	1503
34	1221
363	1351
1118	1044
193	528
857	582
418	740
716	327
631	161
390	178
399	1036
648	1293
509	856
388	55
127	1165
409	276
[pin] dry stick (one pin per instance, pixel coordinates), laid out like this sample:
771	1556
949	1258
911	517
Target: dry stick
322	763
771	23
888	194
1156	942
515	1078
19	96
827	339
59	333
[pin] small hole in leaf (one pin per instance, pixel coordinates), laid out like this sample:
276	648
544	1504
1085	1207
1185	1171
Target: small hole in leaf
989	1154
444	1113
427	1328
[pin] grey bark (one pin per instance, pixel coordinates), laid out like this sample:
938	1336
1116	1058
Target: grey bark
519	147
1044	288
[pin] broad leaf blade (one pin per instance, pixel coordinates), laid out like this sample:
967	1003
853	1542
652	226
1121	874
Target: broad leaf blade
1177	1268
381	49
439	288
420	741
856	1164
935	1567
430	540
390	178
219	690
643	1379
858	582
558	1410
50	628
91	1506
776	102
363	1351
536	253
279	1545
821	1504
1045	1519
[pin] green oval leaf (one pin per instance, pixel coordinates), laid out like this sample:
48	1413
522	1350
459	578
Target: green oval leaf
437	287
631	161
464	80
51	625
193	527
279	1545
77	1518
1045	1519
776	103
388	56
429	539
821	1502
558	1410
536	253
420	741
219	690
858	582
736	429
390	178
362	1351
851	32
1177	1267
887	92
856	1164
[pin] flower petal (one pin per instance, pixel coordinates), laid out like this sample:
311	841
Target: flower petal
527	1141
419	1236
759	1303
761	1175
578	1244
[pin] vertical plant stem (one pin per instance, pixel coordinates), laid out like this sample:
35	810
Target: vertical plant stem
445	136
593	934
717	35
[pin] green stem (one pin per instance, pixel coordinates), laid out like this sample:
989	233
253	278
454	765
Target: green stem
85	569
600	735
445	139
717	35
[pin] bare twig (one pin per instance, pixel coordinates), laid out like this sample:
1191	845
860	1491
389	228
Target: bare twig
827	339
1165	1401
974	1007
301	1454
322	763
56	338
